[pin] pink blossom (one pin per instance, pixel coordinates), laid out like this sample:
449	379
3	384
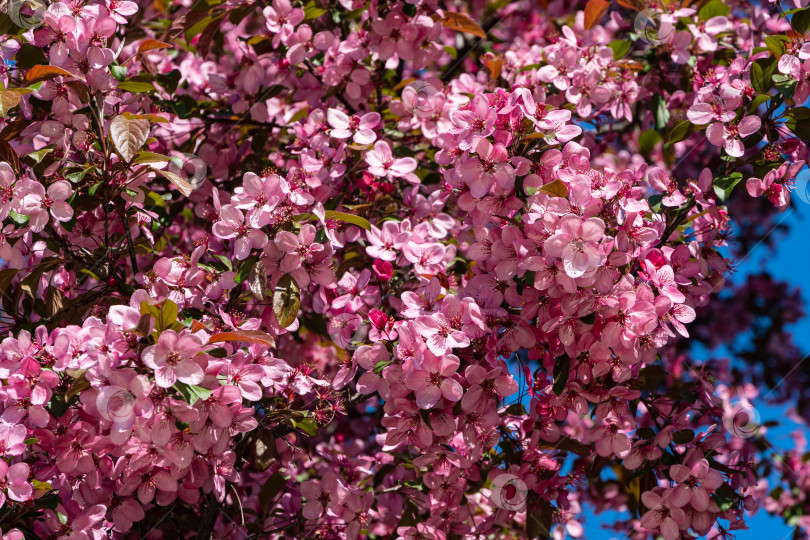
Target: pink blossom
434	380
382	162
577	244
232	226
172	358
729	135
662	515
14	482
359	128
695	484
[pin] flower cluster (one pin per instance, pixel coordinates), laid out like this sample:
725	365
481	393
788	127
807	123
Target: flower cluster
329	270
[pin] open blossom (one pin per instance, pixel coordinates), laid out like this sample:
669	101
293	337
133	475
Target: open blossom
172	358
39	202
433	379
660	180
442	330
323	495
260	195
359	128
662	515
232	226
695	484
490	167
730	135
14	482
383	163
577	244
386	241
282	17
716	107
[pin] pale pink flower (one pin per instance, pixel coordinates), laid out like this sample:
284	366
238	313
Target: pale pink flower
695	484
282	17
38	202
434	380
730	135
323	495
386	241
14	482
383	163
231	225
577	244
359	128
172	358
662	515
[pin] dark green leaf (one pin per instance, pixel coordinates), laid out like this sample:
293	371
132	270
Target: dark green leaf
271	488
197	28
683	436
620	47
136	87
219	352
801	20
6	277
30	284
660	110
286	300
7	26
762	71
119	72
648	140
725	497
776	44
590	318
759	100
680	132
169	80
29	56
191	393
262	449
539	517
245	268
715	8
562	366
313	10
349	218
257	281
724	185
307	424
516	409
381	365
